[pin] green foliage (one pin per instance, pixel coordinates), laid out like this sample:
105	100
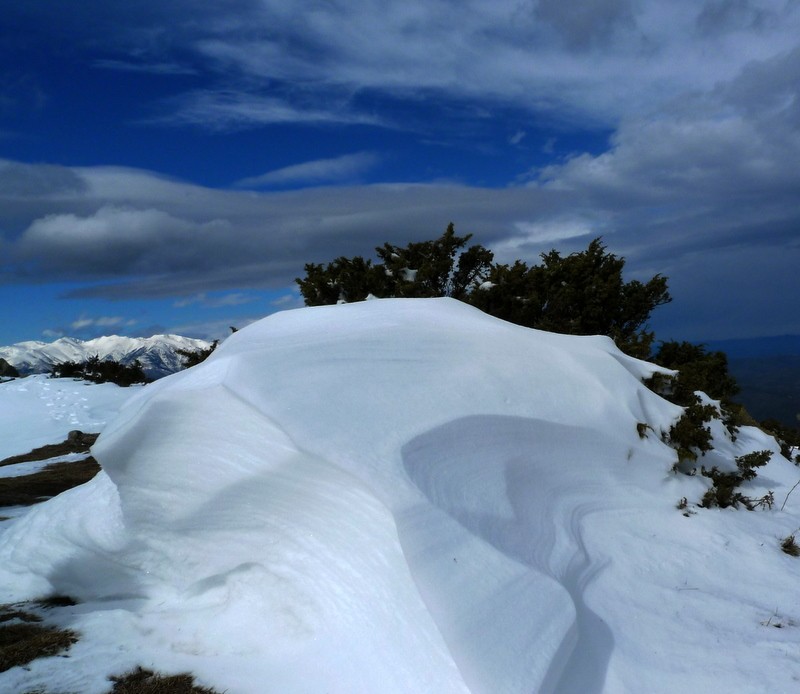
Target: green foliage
434	268
689	435
697	370
442	267
724	492
195	357
97	371
580	294
787	437
746	464
345	279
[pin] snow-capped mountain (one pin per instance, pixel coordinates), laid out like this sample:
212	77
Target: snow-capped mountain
157	354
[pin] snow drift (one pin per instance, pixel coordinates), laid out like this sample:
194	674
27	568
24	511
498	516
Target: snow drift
407	496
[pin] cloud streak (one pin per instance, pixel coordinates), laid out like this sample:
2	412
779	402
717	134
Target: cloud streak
344	168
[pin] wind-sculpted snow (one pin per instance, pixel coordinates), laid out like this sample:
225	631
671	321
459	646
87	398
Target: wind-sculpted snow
398	496
466	467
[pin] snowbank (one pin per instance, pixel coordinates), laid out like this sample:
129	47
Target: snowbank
408	496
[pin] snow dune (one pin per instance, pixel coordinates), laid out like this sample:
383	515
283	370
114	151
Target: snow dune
407	496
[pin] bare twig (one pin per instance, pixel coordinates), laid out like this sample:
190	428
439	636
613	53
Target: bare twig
787	496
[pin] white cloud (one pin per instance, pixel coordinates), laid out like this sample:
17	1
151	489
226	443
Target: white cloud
288	301
343	168
714	170
81	324
226	109
595	60
528	236
225	300
211	330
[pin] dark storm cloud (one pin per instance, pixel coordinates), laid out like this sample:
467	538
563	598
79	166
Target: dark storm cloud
158	237
586	23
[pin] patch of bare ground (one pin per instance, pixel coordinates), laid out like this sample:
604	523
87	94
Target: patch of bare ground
26	490
23	637
141	681
76	442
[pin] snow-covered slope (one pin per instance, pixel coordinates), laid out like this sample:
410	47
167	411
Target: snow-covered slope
157	354
38	410
408	496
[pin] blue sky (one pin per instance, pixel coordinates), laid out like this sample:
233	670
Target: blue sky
170	166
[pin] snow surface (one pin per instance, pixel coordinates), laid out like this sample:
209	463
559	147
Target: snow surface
157	354
409	496
38	410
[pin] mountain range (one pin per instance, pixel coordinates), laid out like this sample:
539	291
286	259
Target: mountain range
158	354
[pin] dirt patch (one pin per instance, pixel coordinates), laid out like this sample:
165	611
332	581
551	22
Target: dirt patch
76	442
26	490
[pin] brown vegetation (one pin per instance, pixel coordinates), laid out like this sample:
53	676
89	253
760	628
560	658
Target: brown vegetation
76	442
23	638
141	681
26	490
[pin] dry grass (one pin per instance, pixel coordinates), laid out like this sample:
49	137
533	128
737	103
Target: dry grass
26	490
76	442
8	614
789	546
52	601
141	681
23	638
